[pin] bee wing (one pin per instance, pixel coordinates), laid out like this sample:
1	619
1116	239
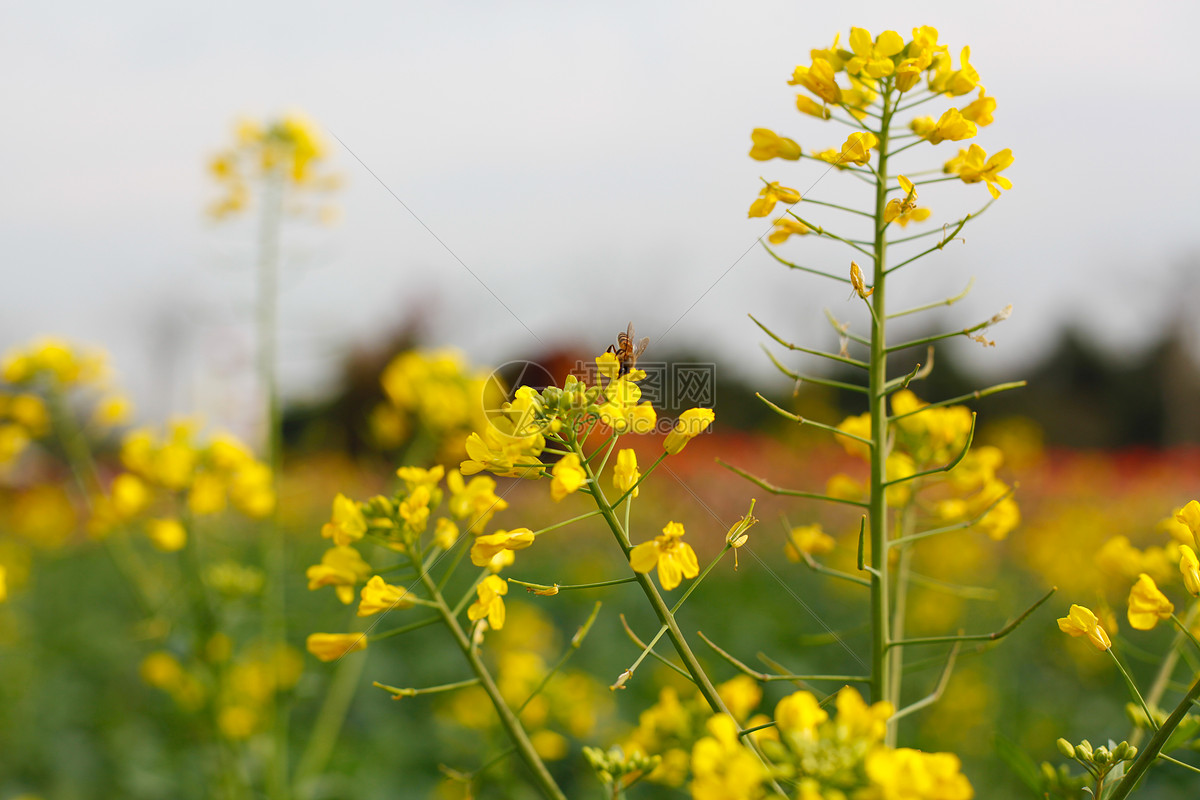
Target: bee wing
629	332
641	346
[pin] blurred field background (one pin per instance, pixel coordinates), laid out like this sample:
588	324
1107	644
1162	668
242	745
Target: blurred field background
542	208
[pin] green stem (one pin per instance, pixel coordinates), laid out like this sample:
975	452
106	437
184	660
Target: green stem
274	544
691	663
900	608
1155	746
881	683
1132	687
1167	668
330	719
512	725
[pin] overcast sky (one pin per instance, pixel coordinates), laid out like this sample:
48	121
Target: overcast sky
587	162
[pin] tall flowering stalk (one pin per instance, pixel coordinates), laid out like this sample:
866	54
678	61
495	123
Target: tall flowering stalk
273	166
919	454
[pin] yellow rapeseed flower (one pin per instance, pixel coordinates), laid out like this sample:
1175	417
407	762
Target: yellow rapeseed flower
980	110
771	194
818	79
1080	621
568	476
485	547
129	495
952	126
489	601
1189	567
167	535
348	523
691	423
973	166
873	58
807	539
379	595
1147	605
768	145
332	646
806	105
857	147
625	473
786	227
1189	515
800	715
341	567
475	500
674	558
722	767
907	773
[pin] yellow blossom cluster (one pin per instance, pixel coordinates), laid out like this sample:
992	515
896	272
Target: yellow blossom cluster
432	394
1147	604
926	438
53	360
245	685
47	369
511	442
168	474
823	754
283	154
672	726
871	69
405	522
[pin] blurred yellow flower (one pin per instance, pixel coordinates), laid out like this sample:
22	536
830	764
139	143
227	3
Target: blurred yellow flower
807	539
908	773
806	105
952	126
786	227
768	145
1147	605
1189	567
474	500
800	715
722	767
161	670
818	79
348	523
379	595
741	696
857	147
129	495
445	533
980	110
341	567
167	535
771	194
1189	515
332	646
